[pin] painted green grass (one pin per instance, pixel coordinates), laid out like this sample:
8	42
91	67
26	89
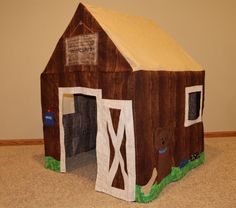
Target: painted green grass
175	175
51	163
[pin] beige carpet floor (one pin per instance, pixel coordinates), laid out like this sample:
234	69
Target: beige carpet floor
24	182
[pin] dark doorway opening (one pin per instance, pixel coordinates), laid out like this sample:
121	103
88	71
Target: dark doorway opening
80	129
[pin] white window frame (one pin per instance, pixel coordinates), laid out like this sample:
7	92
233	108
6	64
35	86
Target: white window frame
188	90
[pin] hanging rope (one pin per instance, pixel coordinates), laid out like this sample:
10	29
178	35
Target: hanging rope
81	24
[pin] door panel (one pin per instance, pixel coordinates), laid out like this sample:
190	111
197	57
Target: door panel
106	174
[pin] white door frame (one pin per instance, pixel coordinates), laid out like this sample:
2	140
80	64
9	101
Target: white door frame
105	175
72	90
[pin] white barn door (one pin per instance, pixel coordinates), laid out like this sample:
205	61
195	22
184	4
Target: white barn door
105	175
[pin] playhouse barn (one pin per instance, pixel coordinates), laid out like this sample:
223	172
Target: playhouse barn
121	85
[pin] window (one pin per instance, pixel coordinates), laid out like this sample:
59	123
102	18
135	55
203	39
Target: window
193	105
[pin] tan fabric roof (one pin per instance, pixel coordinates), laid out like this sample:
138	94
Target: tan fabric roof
144	44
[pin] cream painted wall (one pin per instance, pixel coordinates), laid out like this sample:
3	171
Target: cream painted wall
30	29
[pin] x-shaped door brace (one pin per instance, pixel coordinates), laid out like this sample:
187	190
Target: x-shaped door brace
117	141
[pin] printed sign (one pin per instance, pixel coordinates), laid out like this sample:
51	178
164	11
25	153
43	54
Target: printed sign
82	50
